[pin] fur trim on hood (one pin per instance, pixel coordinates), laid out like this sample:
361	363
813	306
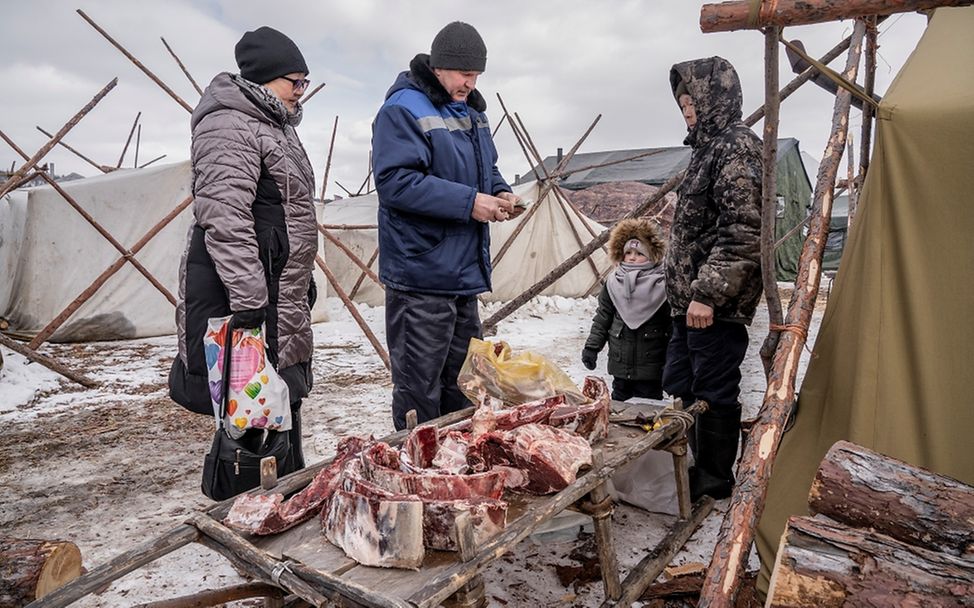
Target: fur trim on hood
644	230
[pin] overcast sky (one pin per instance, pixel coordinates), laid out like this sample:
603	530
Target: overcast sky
557	63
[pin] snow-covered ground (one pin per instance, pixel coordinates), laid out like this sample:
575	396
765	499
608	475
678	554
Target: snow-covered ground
112	467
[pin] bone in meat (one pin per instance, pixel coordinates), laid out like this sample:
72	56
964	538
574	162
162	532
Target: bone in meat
376	530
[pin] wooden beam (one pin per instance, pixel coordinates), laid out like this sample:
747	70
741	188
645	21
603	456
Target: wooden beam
128	140
758	14
218	597
102	168
747	503
182	67
48	362
331	148
769	195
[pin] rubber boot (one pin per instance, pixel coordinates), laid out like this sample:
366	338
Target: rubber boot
718	437
294	436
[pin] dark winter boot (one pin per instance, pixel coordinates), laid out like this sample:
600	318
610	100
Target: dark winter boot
294	436
718	436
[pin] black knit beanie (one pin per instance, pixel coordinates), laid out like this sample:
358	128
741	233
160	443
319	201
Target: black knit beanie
265	54
458	46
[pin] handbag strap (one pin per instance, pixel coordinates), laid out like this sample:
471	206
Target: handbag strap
225	385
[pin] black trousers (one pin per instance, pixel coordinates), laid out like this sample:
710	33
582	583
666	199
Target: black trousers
428	336
706	363
624	389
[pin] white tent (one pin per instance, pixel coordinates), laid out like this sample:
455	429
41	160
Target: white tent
546	240
50	254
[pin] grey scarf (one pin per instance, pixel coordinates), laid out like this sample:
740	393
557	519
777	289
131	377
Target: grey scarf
269	101
637	291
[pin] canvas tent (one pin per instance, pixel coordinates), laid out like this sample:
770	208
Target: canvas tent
546	241
889	368
50	254
653	166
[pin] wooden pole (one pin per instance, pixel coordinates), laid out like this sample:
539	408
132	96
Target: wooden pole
748	14
85	295
218	597
331	148
354	312
361	277
864	489
670	184
769	194
182	67
649	568
32	161
48	362
101	230
852	197
602	522
351	255
311	94
128	140
138	144
144	165
747	503
822	563
137	63
868	113
118	567
102	168
350	226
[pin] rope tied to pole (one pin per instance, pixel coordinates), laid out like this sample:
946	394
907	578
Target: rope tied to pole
279	569
683	418
798	330
760	12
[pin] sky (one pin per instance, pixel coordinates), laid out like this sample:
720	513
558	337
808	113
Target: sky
557	63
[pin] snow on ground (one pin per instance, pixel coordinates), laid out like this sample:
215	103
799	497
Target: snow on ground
112	467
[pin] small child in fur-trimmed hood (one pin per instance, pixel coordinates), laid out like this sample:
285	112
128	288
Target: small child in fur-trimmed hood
633	315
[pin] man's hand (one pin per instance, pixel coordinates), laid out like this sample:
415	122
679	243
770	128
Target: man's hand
514	199
488	208
699	316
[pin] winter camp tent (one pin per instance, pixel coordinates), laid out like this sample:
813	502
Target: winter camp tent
653	166
890	366
49	254
546	240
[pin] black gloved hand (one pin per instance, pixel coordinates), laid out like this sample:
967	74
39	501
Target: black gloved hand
312	293
589	357
248	319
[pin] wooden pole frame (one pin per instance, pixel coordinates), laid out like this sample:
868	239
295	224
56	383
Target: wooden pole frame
769	193
85	295
128	140
331	148
102	168
42	152
135	61
182	67
48	362
747	502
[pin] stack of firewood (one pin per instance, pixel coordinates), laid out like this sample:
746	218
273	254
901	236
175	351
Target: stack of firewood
32	568
882	533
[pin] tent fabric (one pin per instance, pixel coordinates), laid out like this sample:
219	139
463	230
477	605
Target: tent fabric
794	196
889	368
543	244
51	254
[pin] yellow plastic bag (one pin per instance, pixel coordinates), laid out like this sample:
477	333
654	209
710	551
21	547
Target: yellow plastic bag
492	370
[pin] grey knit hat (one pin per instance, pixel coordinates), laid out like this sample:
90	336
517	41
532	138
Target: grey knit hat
458	46
636	245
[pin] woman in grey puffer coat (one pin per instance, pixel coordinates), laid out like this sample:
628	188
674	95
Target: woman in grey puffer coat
252	248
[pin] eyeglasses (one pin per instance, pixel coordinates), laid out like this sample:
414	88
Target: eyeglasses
298	84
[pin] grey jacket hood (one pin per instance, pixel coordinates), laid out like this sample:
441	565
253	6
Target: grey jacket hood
715	88
231	91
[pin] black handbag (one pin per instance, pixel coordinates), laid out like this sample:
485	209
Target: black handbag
232	465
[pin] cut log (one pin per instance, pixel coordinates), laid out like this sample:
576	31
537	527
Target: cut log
32	568
862	488
746	14
822	563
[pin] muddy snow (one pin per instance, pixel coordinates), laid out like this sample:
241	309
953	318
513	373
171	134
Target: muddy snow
113	467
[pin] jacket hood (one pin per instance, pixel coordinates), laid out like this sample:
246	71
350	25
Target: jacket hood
226	91
715	88
421	77
637	228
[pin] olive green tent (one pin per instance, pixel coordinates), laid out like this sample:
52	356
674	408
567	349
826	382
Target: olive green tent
890	368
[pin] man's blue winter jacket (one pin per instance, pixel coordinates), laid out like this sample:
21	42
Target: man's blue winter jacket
431	156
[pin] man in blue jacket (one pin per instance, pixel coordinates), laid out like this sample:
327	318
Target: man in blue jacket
438	184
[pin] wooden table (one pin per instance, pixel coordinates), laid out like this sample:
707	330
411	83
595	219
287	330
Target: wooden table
301	561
